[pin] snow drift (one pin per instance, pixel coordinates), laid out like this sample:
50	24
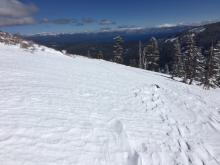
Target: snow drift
62	110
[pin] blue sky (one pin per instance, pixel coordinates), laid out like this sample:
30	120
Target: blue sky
95	15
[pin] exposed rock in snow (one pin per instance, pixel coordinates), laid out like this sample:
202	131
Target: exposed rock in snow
10	39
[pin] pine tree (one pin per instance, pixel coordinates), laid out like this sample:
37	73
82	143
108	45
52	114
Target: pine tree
212	68
199	66
177	64
140	55
118	50
151	56
217	63
190	55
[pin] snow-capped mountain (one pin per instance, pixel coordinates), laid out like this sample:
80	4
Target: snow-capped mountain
62	110
161	28
129	34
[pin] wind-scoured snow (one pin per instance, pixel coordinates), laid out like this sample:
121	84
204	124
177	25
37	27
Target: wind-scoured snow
60	110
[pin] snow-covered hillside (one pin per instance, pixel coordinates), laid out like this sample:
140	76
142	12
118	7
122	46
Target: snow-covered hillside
60	110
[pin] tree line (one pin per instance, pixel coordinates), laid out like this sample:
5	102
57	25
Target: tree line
189	62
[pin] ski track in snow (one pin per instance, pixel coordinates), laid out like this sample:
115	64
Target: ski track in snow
76	111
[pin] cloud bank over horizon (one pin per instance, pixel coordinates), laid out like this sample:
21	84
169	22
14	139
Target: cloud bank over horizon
14	12
36	16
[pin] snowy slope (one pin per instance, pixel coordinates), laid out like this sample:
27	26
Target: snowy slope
59	110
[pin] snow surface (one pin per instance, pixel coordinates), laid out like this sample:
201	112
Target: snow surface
60	110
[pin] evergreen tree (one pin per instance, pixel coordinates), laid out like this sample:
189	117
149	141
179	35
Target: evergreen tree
212	68
199	66
177	64
118	50
151	56
217	63
190	54
140	55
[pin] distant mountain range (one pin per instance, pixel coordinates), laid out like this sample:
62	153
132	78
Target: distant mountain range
90	43
206	33
133	34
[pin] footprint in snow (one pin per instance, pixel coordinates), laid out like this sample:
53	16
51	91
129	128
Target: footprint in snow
116	126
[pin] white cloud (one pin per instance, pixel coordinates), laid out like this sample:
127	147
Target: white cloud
14	12
16	21
105	22
167	25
